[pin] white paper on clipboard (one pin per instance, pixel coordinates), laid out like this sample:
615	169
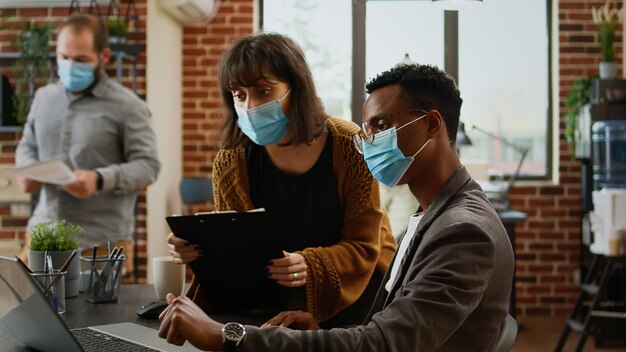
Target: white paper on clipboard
53	171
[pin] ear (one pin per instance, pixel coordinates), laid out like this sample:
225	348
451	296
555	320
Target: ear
435	123
105	56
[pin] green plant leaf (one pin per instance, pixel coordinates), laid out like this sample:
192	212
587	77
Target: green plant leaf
577	98
32	66
59	236
117	27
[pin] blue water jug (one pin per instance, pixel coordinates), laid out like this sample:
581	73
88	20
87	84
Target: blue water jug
609	153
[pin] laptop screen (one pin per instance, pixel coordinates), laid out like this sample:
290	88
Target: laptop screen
26	313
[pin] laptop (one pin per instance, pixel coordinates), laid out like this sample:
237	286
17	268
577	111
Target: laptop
28	316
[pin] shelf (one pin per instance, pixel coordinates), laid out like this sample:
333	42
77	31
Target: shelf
129	49
116	49
10	129
12	55
119	53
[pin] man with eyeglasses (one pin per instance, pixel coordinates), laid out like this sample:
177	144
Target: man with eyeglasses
449	284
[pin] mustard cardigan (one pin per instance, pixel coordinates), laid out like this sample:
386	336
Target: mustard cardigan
337	275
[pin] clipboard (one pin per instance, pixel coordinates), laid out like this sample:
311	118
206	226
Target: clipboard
237	248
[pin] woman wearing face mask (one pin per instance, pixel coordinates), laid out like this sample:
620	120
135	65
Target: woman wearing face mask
283	153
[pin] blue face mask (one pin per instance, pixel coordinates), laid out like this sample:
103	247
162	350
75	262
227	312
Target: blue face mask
75	76
385	160
264	124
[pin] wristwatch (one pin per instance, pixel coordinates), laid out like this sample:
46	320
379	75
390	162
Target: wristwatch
232	335
99	182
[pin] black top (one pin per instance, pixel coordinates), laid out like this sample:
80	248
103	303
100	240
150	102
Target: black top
304	209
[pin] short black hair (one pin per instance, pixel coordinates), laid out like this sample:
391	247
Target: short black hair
426	87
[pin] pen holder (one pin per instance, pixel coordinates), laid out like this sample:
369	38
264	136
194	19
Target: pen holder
53	287
101	278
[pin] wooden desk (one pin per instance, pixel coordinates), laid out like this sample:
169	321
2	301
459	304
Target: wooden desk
509	219
81	314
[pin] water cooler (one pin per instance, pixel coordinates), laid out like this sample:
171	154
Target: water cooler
601	148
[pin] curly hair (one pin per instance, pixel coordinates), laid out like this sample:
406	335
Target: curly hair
427	88
246	62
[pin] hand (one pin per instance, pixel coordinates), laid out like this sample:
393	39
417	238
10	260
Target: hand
84	186
184	321
182	251
290	271
297	320
27	185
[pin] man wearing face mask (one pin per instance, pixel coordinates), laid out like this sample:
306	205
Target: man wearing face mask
100	130
449	283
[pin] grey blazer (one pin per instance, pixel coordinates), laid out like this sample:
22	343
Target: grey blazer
451	292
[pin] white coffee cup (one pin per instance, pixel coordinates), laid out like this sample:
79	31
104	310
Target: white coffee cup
168	276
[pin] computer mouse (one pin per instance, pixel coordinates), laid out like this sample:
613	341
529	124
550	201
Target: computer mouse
151	310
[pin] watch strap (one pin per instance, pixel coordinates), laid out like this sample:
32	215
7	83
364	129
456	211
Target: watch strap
229	346
99	181
229	343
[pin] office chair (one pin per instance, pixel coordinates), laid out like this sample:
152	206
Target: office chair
506	336
195	190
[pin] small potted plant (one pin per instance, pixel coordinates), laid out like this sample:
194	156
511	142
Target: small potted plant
117	30
606	18
59	240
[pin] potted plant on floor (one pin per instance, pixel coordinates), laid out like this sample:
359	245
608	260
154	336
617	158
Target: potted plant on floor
59	240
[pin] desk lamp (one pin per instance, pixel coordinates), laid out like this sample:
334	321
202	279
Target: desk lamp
462	138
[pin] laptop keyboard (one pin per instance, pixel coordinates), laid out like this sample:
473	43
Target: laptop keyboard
94	341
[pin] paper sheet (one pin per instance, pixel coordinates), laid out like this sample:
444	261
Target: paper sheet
52	171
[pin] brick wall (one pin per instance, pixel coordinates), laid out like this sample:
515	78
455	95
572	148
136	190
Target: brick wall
548	251
548	244
202	111
12	226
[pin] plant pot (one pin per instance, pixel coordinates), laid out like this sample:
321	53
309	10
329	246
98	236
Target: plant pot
117	40
608	70
72	278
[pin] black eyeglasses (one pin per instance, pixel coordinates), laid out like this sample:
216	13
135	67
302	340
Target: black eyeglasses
367	134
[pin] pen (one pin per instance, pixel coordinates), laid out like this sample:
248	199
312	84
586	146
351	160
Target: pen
117	273
45	262
93	269
68	261
50	272
119	268
63	268
103	281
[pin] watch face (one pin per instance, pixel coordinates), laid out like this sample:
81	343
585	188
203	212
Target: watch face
233	331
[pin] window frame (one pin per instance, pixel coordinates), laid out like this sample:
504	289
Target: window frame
451	65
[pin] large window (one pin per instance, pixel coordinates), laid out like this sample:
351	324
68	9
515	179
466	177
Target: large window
323	28
503	64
